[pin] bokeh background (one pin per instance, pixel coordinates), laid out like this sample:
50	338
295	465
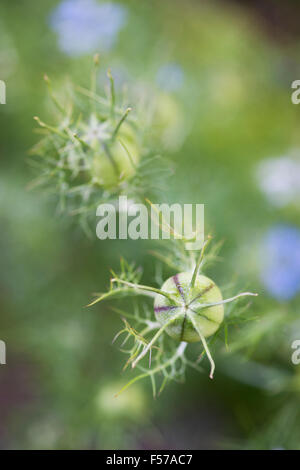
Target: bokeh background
224	71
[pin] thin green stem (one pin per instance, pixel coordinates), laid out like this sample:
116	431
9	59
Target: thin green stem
132	381
94	73
212	363
224	301
50	128
145	288
53	97
108	294
94	79
179	353
128	154
112	92
111	158
121	122
92	96
82	142
198	263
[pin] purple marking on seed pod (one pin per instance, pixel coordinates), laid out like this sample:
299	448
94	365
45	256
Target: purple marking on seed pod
179	288
86	26
166	308
280	261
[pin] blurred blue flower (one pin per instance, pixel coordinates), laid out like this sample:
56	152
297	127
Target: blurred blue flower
170	77
86	26
279	178
281	261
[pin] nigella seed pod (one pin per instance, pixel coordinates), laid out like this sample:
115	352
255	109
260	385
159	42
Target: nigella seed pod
192	305
189	307
116	160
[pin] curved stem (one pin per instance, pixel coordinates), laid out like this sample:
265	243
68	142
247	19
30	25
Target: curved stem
198	263
212	363
135	379
94	77
224	301
53	97
115	132
112	93
146	288
111	158
179	353
155	337
128	154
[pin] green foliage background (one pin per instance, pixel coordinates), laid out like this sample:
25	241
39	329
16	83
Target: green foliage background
57	388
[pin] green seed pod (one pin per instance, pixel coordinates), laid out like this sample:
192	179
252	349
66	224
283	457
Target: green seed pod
117	160
187	303
189	307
